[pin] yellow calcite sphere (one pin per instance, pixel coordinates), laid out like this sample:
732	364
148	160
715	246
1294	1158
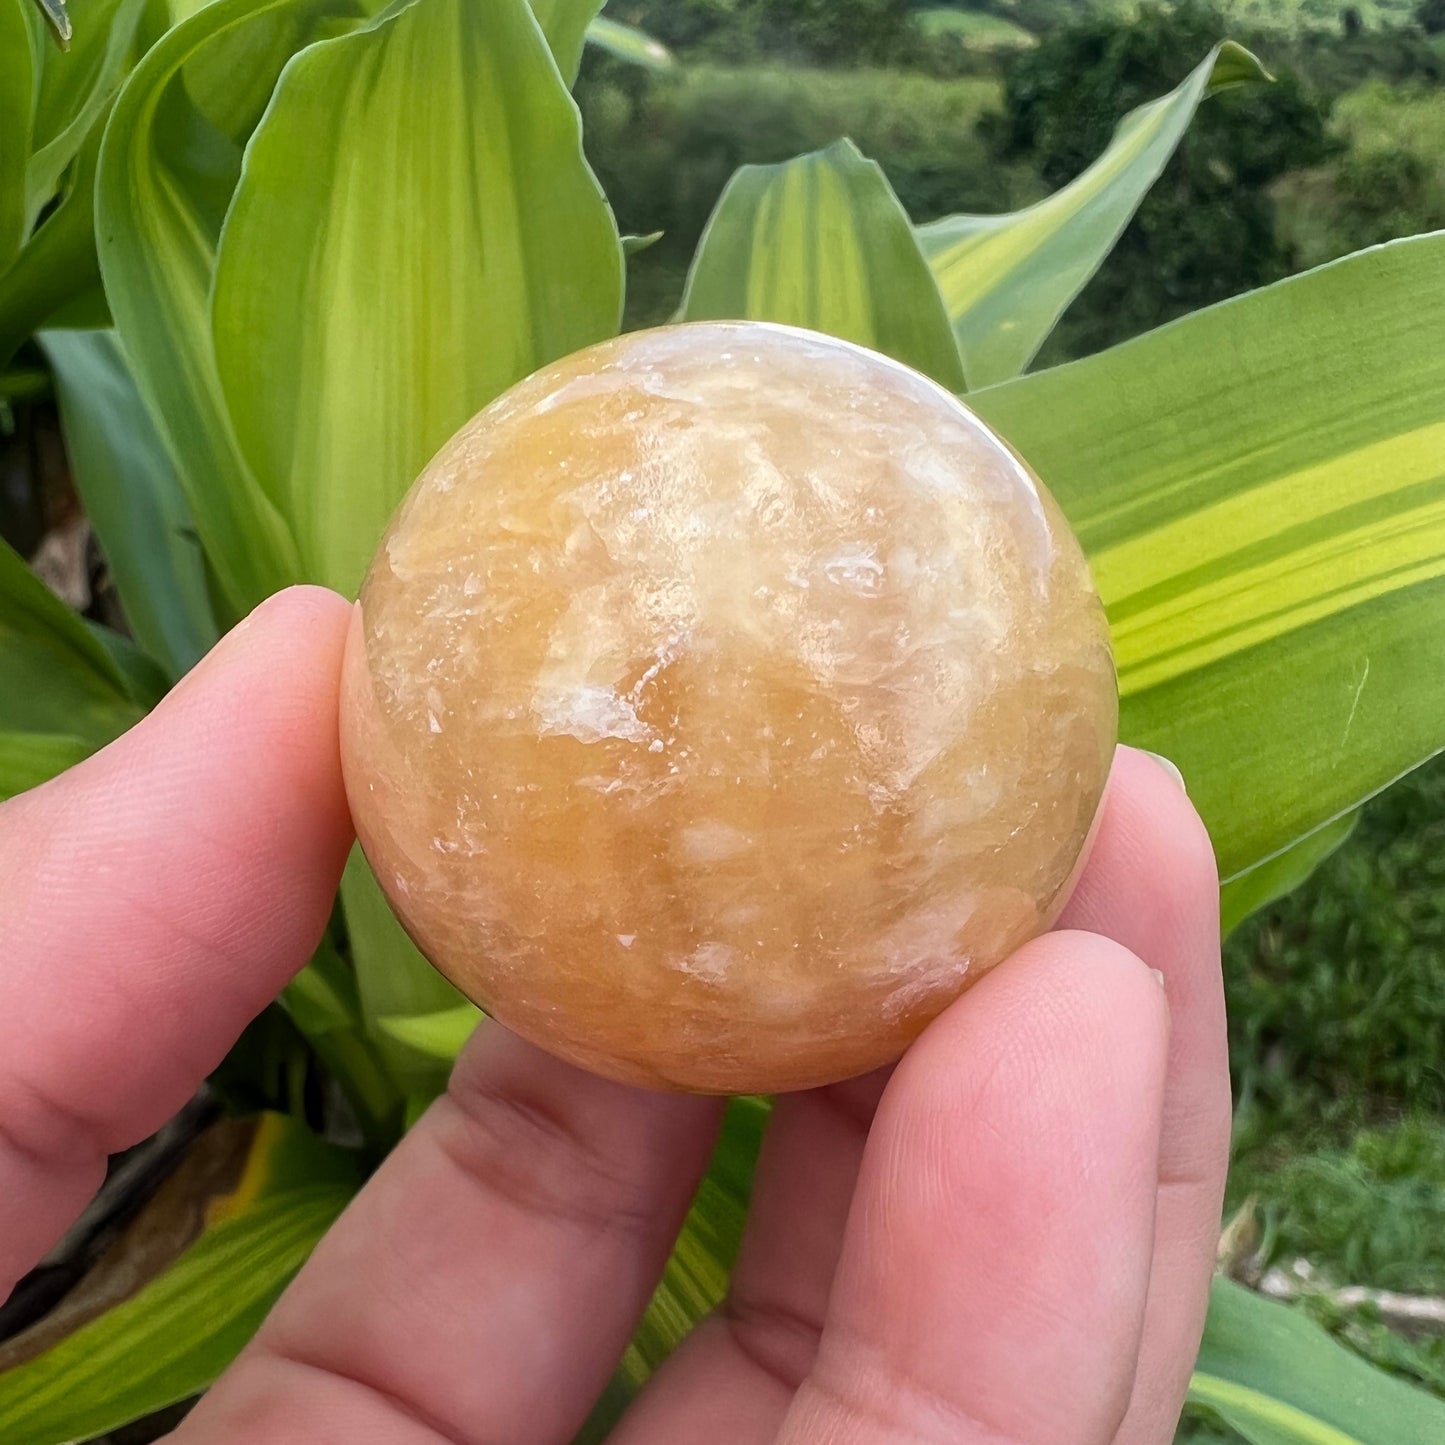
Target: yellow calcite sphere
721	702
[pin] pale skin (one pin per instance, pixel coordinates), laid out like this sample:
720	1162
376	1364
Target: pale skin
1007	1239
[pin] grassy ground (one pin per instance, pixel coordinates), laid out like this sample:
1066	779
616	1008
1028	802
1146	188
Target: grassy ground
1337	1003
1337	1044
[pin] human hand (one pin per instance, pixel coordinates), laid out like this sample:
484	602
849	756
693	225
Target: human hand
1008	1241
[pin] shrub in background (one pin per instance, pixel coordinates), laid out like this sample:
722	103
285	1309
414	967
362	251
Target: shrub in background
1208	229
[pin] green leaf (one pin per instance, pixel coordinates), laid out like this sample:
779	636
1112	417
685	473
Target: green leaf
76	88
1282	874
232	85
131	495
395	981
58	264
166	176
1260	488
144	678
29	759
565	23
396	256
179	1331
1269	1373
627	42
1007	279
324	1003
56	676
438	1035
19	64
636	245
822	241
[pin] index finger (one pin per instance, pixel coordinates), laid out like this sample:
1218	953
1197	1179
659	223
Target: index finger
157	896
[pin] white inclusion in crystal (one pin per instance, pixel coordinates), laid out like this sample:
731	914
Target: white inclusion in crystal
709	961
857	569
396	550
661	659
472	585
627	939
655	746
588	713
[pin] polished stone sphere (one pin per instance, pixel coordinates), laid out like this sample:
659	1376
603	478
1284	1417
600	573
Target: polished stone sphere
722	701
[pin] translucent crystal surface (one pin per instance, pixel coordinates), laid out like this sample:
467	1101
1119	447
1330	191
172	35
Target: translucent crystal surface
722	701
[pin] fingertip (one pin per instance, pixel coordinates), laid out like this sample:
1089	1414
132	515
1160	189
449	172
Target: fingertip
259	717
1066	1007
1154	788
297	633
1049	1065
1151	846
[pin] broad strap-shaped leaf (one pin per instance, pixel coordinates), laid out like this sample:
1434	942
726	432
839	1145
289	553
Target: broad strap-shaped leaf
131	495
1007	279
76	88
398	254
144	679
58	263
439	1035
56	676
173	1337
1269	1373
1282	874
166	175
564	23
627	42
822	242
1260	488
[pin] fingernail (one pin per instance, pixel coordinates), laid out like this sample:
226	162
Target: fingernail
1159	976
1169	767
